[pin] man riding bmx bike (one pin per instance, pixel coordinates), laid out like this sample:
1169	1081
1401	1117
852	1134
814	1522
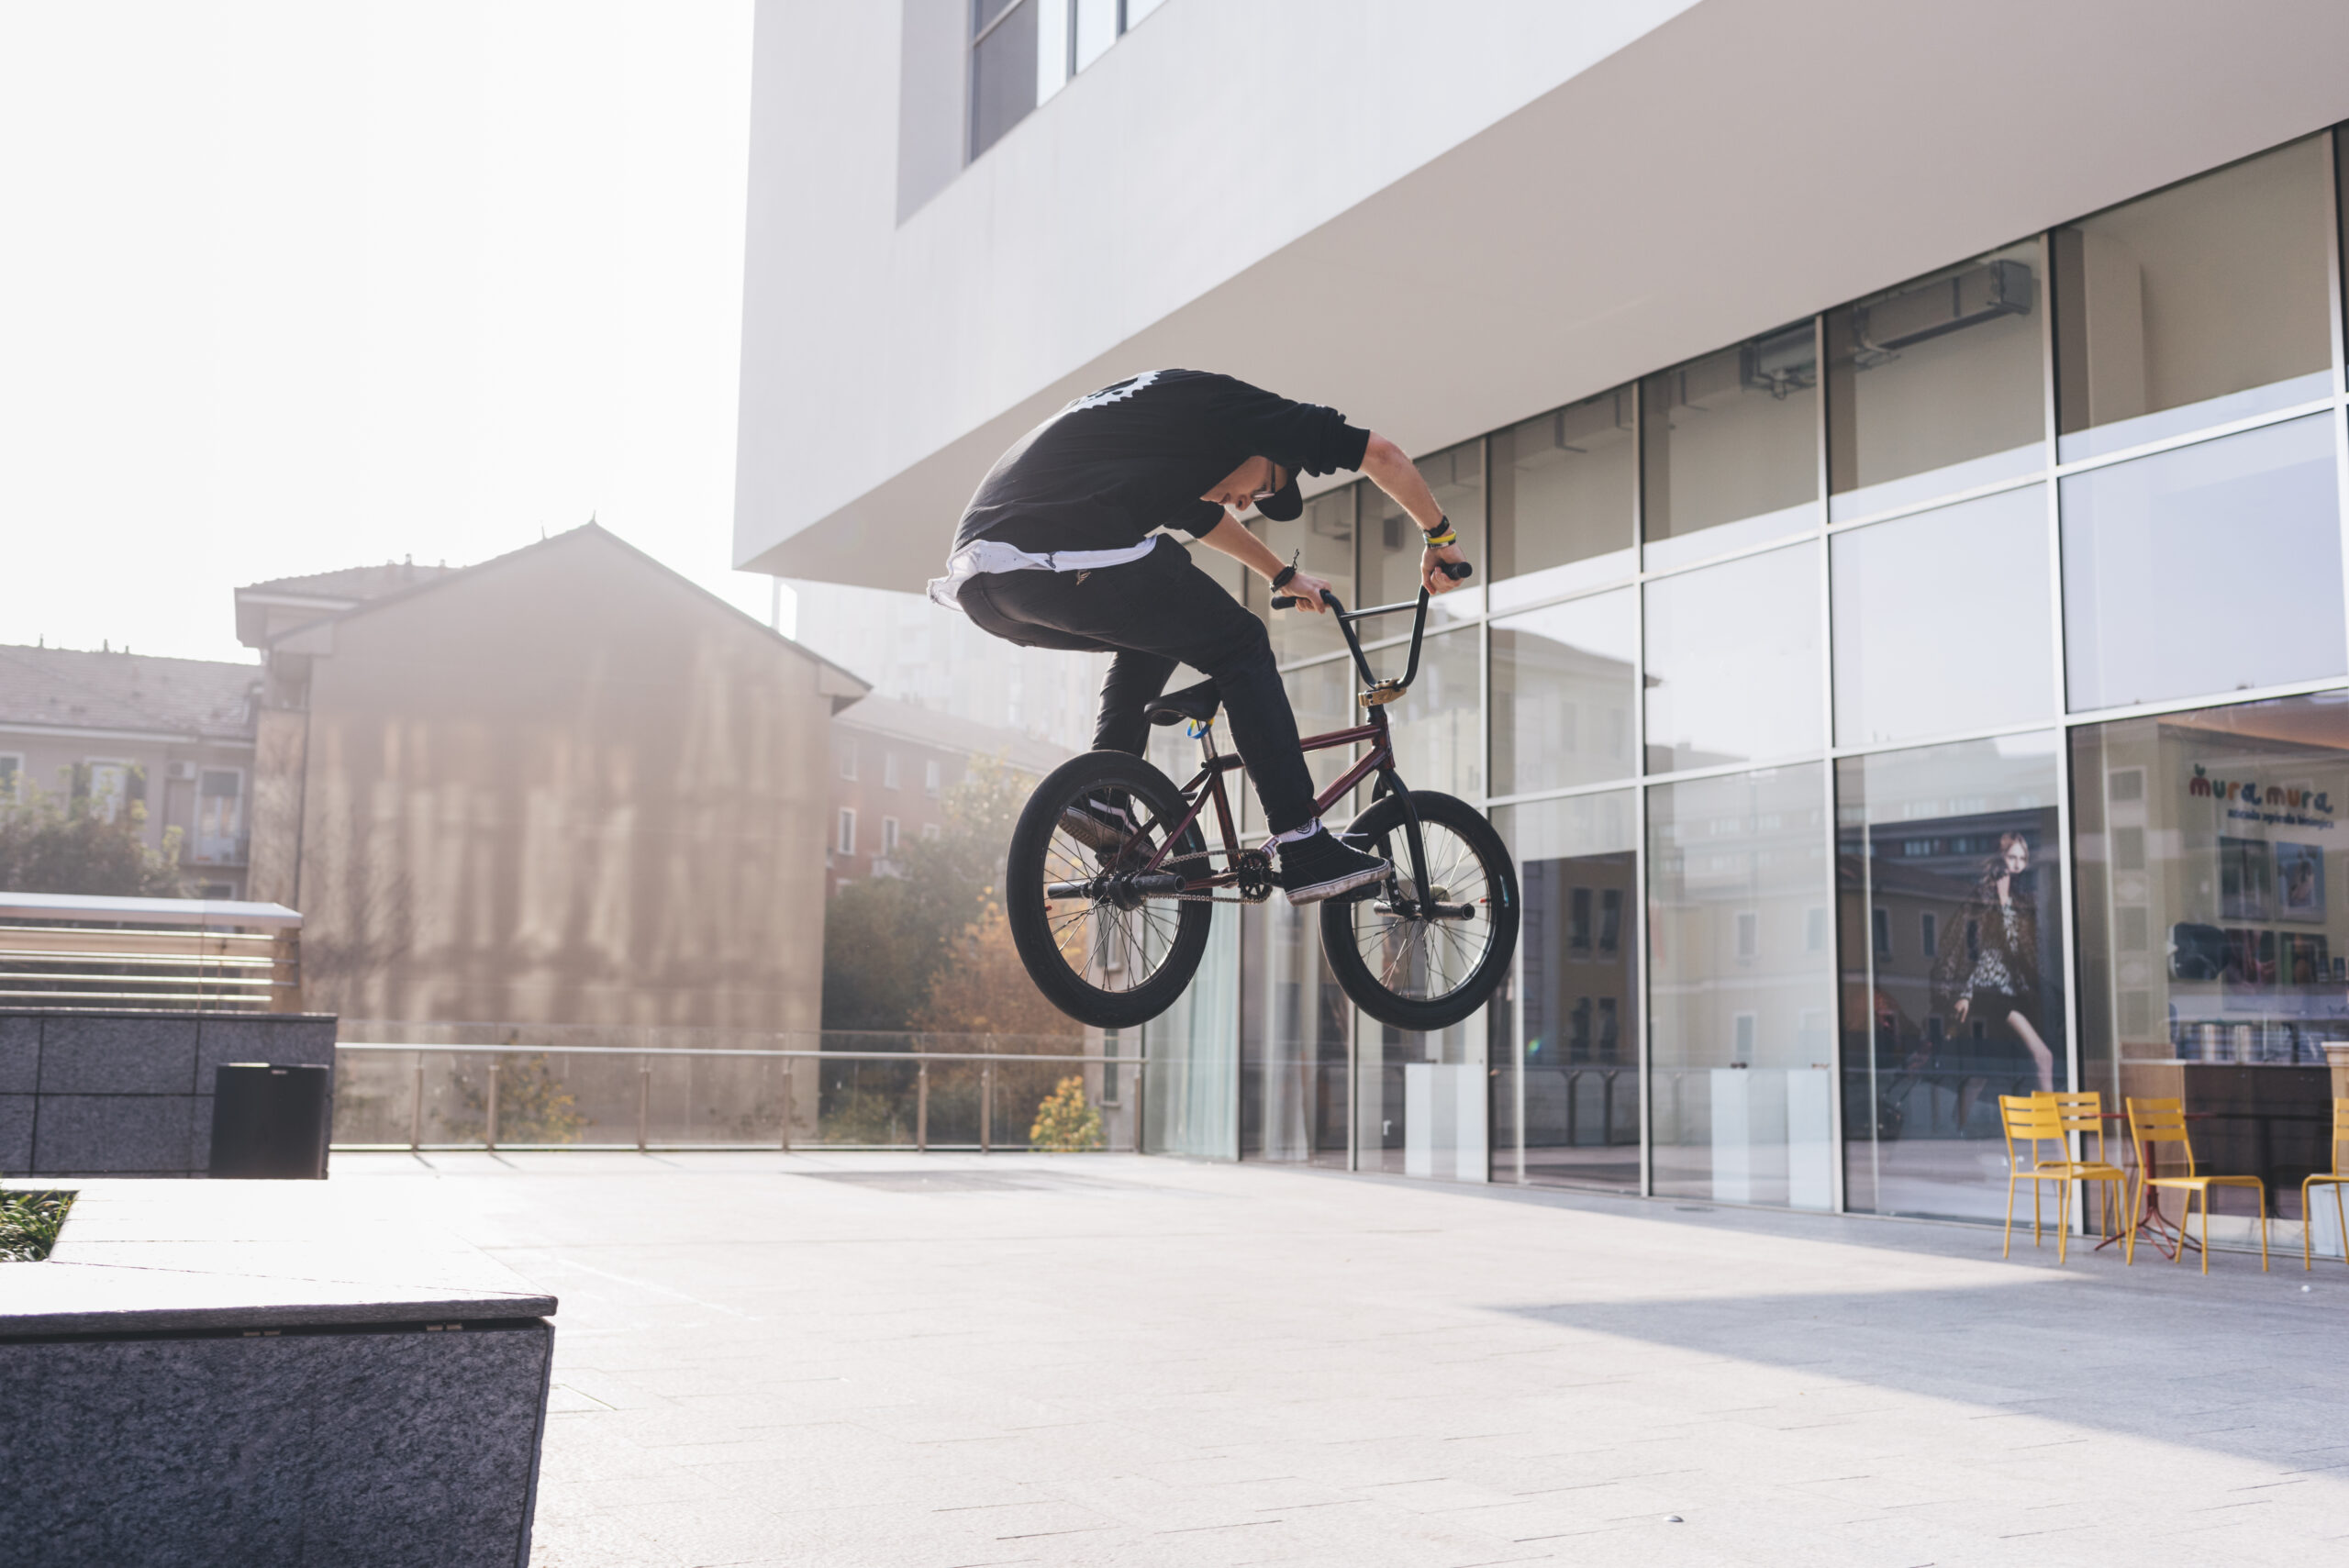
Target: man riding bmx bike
1057	548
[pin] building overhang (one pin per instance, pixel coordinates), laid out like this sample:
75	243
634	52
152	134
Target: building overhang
1744	163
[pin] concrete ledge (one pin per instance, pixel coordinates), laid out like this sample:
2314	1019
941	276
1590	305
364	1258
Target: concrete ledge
125	1092
267	1373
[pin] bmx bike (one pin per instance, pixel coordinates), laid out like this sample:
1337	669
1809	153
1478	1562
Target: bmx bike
1112	919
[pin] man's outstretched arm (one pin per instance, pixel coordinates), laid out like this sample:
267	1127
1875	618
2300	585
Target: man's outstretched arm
1230	536
1392	471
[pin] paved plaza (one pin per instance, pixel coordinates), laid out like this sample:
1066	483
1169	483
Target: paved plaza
948	1361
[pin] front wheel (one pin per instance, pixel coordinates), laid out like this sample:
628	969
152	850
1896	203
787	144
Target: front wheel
1108	943
1424	958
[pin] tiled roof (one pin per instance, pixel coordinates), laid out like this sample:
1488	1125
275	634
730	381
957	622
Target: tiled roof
82	690
356	582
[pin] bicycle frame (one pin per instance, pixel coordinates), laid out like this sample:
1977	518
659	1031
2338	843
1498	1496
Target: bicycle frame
1208	782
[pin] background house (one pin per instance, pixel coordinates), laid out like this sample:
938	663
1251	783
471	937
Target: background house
176	734
566	785
893	763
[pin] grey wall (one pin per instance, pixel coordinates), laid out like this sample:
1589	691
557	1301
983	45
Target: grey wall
130	1093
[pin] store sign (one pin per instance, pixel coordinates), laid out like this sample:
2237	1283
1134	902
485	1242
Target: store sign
2248	800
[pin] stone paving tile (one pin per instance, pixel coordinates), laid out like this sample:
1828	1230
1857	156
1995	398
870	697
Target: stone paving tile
1121	1362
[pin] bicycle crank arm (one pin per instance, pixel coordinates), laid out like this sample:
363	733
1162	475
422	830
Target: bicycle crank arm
1429	912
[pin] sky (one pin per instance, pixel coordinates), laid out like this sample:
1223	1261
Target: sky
289	287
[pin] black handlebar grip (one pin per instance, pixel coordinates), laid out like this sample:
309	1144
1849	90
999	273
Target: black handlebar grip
1284	601
1455	570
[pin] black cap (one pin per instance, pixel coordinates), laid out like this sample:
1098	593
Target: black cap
1283	504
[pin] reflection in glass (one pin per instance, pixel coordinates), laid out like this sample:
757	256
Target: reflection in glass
1439	727
1730	449
1421	1100
1391	544
1740	985
1322	543
1564	498
1943	620
1192	1068
2207	568
1564	688
2213	923
1935	386
1732	661
2195	306
1293	1026
1951	935
1322	697
1572	1082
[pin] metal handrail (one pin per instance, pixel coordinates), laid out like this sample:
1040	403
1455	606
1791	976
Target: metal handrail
716	1050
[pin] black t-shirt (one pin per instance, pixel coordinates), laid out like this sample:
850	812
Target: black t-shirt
1119	462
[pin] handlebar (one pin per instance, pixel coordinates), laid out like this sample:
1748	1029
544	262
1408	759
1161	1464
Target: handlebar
1458	571
1375	690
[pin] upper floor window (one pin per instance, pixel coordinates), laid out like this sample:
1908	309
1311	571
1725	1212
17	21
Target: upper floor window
932	779
219	813
846	842
1023	52
888	769
109	787
848	759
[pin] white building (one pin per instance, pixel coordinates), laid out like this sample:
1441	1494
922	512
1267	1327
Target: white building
1866	420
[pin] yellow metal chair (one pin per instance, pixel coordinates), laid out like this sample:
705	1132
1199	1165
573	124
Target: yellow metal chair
2337	1179
2033	1124
2153	1122
2081	1111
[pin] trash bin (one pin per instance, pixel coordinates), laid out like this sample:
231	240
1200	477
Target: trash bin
270	1122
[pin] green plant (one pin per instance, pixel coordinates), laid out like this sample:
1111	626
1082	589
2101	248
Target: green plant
1064	1123
86	842
533	1104
29	1223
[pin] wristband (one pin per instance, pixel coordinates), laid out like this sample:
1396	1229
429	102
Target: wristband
1444	535
1280	578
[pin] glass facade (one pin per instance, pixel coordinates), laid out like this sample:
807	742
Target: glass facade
1970	718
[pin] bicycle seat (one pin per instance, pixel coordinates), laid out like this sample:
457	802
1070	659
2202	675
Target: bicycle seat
1195	704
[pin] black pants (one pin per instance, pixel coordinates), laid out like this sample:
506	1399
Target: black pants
1154	613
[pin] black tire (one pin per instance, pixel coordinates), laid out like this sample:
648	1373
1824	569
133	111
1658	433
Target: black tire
1138	960
1434	973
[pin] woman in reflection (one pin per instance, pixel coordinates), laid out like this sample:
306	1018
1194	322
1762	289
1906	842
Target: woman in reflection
1988	974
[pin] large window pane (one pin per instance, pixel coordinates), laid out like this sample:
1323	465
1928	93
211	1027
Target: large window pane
2197	304
1565	494
1943	620
1003	70
1321	541
2209	568
1422	1100
1391	543
1740	982
1936	386
1293	1026
1439	727
1192	1056
1730	449
1565	690
1322	697
2213	923
1572	1081
1732	656
1951	940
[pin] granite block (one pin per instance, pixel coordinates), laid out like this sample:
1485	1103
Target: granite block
108	1134
281	1039
20	1054
102	1054
15	1134
384	1447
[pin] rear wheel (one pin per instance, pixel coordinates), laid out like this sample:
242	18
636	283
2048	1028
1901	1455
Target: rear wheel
1425	959
1107	942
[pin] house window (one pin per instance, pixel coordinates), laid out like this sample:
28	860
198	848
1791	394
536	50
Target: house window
12	768
846	843
848	759
888	769
109	787
1928	935
1023	52
932	777
1883	923
219	814
929	833
888	835
1749	933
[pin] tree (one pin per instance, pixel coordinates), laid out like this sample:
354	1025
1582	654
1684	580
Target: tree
888	938
85	844
1064	1123
983	988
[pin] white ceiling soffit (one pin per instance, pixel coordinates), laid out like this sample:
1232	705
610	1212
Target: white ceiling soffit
1746	163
